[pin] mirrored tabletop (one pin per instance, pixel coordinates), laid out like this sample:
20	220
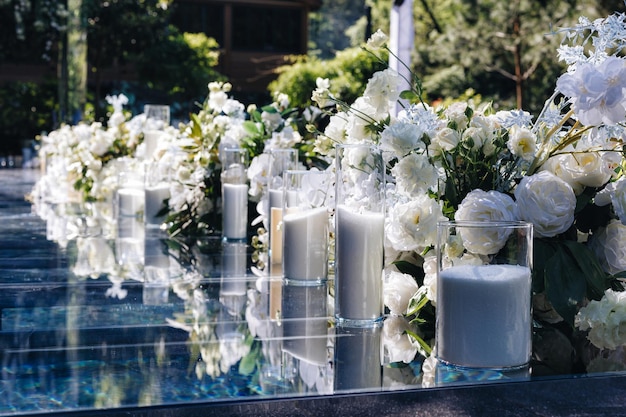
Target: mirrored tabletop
99	316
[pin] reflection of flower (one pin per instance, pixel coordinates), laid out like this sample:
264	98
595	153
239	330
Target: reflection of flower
398	346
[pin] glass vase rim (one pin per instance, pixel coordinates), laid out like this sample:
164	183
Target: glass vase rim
483	223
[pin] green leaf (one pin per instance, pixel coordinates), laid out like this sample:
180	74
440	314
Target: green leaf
542	251
411	269
248	364
565	283
196	129
409	95
589	267
252	128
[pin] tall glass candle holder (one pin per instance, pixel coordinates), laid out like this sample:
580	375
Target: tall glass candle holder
359	234
157	192
280	161
234	194
157	119
484	294
130	192
305	225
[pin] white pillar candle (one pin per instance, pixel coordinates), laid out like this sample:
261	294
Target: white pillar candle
235	213
305	244
155	197
151	141
130	202
276	217
484	317
358	264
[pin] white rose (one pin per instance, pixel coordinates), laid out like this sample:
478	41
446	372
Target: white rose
456	113
547	202
398	289
609	245
485	206
447	139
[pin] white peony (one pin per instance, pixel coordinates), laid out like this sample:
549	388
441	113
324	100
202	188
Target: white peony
413	225
547	202
415	175
400	138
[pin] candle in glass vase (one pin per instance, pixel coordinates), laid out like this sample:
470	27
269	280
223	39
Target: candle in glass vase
359	239
305	244
234	194
155	202
235	214
484	316
130	202
151	141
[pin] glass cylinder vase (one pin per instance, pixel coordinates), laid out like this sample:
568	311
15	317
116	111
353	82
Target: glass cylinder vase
234	194
483	315
359	234
305	225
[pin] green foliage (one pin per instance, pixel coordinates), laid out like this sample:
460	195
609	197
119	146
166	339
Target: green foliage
348	71
185	66
26	110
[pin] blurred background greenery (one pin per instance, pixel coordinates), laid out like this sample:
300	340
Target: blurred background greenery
60	59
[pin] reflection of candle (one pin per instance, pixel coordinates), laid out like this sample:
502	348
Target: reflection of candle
130	201
155	197
151	140
305	252
234	267
276	216
235	215
358	264
484	318
358	359
305	322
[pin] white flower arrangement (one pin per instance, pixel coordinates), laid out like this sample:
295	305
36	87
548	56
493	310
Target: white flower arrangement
561	171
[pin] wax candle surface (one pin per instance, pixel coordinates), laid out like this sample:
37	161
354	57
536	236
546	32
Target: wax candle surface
358	264
235	211
151	141
130	201
484	316
305	244
155	197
